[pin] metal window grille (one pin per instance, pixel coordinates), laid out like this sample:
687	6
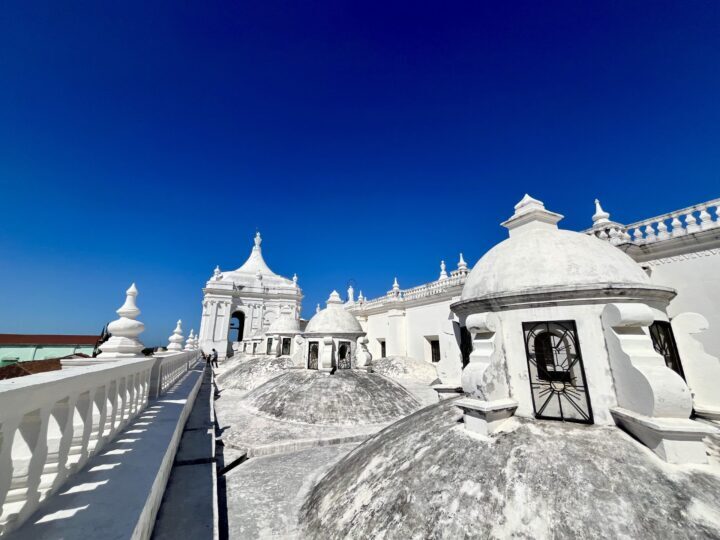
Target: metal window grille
664	342
557	376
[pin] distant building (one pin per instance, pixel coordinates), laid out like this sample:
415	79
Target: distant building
26	347
241	304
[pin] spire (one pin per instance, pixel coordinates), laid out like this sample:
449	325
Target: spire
462	265
176	339
189	341
443	271
124	342
396	285
600	216
317	308
531	214
217	274
295	278
361	298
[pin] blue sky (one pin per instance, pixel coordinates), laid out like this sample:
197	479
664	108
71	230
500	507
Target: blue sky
146	142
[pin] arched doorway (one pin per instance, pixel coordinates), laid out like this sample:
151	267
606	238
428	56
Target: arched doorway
237	326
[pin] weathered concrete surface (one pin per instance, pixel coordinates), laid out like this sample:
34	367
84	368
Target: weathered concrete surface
265	494
260	435
347	398
189	505
405	368
427	477
118	492
249	373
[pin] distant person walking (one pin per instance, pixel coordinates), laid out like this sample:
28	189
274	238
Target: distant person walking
214	358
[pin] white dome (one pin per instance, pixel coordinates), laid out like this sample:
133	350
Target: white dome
538	255
285	324
334	319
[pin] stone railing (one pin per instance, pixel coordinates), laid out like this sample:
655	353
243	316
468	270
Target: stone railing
169	368
52	423
692	219
457	278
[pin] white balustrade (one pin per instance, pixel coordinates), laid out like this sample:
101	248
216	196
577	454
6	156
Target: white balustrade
457	278
692	219
51	423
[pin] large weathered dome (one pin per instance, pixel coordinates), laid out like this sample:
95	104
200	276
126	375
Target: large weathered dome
540	256
346	398
428	477
334	319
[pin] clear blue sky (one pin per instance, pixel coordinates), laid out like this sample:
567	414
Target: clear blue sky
146	141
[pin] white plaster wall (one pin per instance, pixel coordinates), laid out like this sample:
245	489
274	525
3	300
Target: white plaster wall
377	328
696	278
592	348
423	322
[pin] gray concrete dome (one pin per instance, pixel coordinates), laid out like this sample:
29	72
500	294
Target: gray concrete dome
426	476
334	319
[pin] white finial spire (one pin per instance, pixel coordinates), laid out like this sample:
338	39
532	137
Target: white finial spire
295	278
462	265
176	339
189	341
443	271
217	274
317	308
361	298
124	342
600	216
396	285
258	240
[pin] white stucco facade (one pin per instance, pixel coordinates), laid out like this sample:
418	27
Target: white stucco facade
251	297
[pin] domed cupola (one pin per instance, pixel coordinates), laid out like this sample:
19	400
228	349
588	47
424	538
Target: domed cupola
331	337
538	258
560	327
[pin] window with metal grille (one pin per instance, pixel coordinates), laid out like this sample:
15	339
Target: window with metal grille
557	376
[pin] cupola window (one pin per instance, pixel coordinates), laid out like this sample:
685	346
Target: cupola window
313	349
344	355
286	346
664	343
557	377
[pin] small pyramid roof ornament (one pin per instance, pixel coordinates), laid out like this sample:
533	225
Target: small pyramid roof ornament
529	214
600	216
334	298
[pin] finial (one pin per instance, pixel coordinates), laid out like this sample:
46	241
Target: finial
361	298
217	274
176	339
317	308
529	215
295	279
396	285
124	331
600	216
334	298
189	341
443	271
258	239
462	265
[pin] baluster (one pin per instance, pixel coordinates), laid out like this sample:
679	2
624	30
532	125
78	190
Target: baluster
8	469
650	233
602	235
706	221
59	438
626	236
615	237
691	223
662	230
638	236
677	227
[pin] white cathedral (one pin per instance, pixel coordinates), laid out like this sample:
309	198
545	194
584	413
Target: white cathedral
674	259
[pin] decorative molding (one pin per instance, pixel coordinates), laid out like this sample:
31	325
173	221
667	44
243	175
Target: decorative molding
683	257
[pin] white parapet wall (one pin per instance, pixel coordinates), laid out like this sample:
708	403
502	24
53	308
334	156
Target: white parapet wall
52	423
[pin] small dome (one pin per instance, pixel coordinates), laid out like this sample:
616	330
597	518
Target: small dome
538	255
285	324
334	319
311	397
